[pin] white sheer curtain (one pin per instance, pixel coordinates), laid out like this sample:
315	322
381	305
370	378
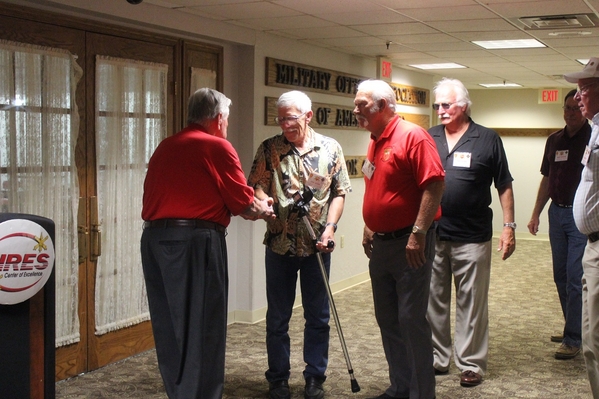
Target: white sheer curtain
130	122
39	125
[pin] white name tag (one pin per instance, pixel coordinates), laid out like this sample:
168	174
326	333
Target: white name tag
368	169
316	181
462	159
585	156
561	156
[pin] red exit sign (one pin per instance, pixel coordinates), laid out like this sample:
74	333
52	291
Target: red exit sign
385	69
550	96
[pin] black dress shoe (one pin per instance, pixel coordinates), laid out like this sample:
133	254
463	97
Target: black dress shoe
279	390
314	388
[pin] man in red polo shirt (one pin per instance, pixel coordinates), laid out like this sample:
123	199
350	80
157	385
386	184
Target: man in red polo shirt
404	183
193	186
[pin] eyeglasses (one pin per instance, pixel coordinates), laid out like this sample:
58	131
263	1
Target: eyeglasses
572	109
443	105
584	89
291	118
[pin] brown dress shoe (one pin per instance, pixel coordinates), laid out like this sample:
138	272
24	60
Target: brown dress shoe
470	379
566	352
558	337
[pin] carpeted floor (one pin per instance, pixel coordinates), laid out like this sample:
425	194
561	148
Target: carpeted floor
524	312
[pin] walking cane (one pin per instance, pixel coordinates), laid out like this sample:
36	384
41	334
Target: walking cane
301	204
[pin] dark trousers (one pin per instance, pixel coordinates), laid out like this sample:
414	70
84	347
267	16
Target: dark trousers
281	280
567	248
400	296
185	270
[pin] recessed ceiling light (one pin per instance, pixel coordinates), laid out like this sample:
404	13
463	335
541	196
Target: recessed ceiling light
508	44
491	85
583	61
567	34
448	65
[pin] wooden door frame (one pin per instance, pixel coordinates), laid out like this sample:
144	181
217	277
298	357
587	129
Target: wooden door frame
189	56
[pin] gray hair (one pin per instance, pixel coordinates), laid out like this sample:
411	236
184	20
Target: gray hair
205	105
297	99
462	97
379	90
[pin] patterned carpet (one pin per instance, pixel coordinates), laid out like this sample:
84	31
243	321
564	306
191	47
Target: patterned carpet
524	312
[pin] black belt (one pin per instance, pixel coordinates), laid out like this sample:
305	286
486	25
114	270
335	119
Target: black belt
593	236
394	234
197	223
563	206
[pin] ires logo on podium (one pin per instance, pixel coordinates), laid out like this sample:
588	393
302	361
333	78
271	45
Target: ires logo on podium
26	260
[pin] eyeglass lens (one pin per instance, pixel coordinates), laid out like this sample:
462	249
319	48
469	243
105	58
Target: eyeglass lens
291	118
583	89
443	105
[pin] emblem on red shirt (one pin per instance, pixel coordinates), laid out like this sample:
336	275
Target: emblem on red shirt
387	152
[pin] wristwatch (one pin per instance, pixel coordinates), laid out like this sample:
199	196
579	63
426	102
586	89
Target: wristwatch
512	225
332	224
418	230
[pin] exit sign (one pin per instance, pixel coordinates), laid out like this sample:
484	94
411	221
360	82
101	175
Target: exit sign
385	69
550	96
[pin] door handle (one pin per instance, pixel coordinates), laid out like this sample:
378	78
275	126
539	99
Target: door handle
96	234
82	234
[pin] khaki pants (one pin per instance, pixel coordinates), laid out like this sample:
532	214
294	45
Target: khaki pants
590	314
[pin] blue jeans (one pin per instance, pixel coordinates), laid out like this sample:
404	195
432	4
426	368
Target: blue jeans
567	248
281	280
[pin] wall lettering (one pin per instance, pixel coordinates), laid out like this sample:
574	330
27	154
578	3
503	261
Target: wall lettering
296	76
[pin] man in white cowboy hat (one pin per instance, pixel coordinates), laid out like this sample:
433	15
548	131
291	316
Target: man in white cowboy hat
586	216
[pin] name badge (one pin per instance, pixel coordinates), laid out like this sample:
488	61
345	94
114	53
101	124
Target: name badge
368	169
585	156
316	181
462	159
561	156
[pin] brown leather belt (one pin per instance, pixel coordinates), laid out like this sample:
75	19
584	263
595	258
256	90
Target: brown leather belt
394	234
195	223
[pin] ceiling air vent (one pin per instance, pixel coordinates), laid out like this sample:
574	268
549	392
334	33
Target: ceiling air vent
575	21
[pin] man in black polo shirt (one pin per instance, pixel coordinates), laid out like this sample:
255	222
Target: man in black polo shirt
561	168
473	158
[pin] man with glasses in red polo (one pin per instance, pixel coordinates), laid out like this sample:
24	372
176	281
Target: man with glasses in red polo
297	160
473	158
586	216
561	170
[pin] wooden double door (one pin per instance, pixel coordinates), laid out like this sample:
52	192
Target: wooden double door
89	42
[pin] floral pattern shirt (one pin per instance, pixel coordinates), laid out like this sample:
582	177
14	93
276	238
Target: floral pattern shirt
281	171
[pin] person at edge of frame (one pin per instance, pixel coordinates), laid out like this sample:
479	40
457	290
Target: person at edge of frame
586	217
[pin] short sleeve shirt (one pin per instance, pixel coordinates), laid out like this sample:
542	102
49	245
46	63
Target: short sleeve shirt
281	171
562	163
586	200
195	175
476	162
405	161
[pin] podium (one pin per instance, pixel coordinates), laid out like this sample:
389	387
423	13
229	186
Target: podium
27	306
